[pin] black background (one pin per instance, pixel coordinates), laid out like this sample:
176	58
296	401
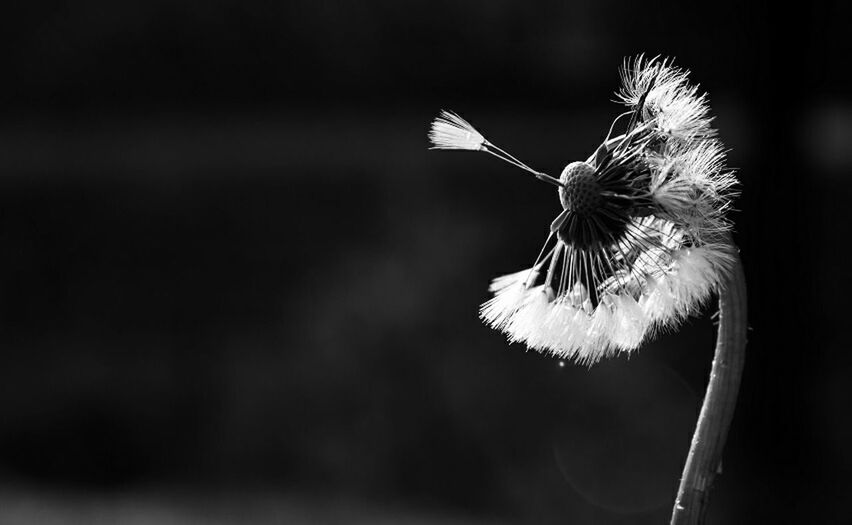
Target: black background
235	286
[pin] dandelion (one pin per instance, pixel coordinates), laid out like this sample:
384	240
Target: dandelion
641	243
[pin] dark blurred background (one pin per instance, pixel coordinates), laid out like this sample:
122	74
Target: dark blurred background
236	287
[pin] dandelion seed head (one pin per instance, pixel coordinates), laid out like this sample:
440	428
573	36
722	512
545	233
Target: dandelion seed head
640	243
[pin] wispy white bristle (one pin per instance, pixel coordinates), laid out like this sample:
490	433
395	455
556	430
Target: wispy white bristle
450	131
669	99
631	323
669	280
691	187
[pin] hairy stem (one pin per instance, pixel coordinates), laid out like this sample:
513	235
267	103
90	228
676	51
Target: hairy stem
705	453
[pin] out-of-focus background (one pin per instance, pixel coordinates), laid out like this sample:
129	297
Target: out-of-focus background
236	287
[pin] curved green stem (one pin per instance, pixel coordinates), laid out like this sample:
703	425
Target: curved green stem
705	453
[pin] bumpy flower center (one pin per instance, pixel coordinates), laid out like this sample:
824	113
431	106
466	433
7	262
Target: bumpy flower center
600	201
581	193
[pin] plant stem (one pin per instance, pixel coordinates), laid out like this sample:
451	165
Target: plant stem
705	453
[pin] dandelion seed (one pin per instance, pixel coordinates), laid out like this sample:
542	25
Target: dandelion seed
640	242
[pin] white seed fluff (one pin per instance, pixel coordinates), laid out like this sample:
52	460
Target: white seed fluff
450	131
